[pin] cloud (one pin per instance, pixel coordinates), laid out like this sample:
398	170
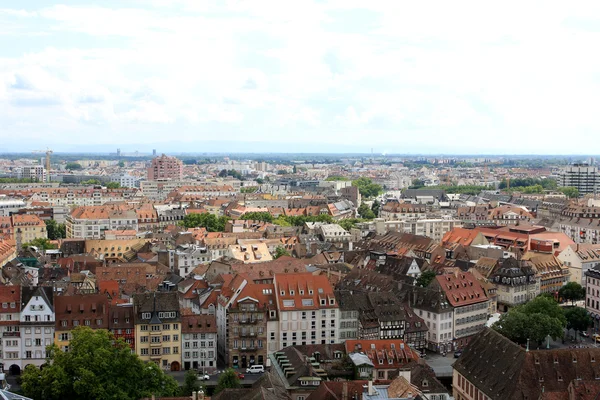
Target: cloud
392	74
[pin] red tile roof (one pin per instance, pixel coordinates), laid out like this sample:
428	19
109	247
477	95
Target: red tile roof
461	288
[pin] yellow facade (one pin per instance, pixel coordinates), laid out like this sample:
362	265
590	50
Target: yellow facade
62	339
159	343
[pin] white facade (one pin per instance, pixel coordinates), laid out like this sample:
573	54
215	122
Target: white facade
308	327
37	328
441	328
9	205
200	351
580	259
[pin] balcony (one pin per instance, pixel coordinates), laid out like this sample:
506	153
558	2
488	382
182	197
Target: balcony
11	334
153	344
247	334
248	321
248	348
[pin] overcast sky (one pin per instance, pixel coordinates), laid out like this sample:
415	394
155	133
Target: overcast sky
398	76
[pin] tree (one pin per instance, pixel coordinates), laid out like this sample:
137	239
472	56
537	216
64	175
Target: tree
228	380
544	305
113	185
190	383
577	318
91	182
260	181
426	278
417	184
365	212
96	367
258	216
248	189
534	320
121	164
281	172
367	188
572	291
40	243
375	207
280	251
223	173
334	178
55	230
350	223
73	166
519	327
570	192
211	222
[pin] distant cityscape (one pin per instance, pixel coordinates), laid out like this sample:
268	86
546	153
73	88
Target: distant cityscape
353	275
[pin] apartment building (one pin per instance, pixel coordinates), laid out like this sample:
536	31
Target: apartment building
70	197
199	340
158	329
34	172
244	310
432	306
580	258
165	167
91	222
394	210
470	303
592	294
10	346
37	324
121	322
348	315
9	205
515	282
550	271
27	228
584	177
8	251
308	310
71	311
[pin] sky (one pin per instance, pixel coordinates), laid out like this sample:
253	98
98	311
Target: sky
294	76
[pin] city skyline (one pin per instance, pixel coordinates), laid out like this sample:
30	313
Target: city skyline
323	76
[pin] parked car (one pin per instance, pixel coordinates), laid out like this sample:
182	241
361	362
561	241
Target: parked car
255	369
203	377
240	375
457	353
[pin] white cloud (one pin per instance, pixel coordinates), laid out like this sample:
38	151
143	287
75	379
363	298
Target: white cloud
368	72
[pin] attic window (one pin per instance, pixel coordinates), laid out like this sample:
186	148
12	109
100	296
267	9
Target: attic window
541	379
593	359
555	360
560	379
537	361
291	292
283	292
310	291
424	383
574	360
301	292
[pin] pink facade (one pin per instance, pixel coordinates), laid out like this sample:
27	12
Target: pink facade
164	167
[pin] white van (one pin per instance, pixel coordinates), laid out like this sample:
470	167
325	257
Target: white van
255	369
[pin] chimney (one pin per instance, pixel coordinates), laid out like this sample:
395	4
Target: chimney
345	391
370	389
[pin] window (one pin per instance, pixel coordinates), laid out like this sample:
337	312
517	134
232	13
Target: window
156	352
144	339
143	327
146	315
176	338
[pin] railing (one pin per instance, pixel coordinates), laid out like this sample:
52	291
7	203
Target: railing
11	334
248	321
